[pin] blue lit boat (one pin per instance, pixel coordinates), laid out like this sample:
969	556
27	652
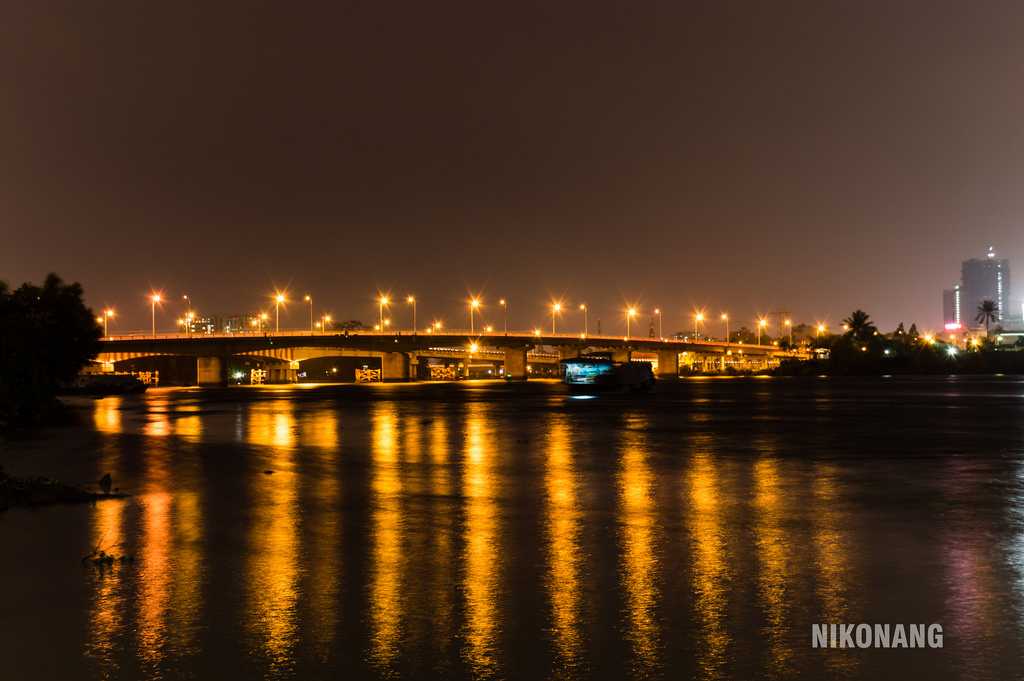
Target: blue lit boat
595	373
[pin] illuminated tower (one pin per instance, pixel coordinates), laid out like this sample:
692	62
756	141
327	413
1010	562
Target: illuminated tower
982	279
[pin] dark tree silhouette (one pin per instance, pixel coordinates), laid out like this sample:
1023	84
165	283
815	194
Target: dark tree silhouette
987	313
859	325
47	335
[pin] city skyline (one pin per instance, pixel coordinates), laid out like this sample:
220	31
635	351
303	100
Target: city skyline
844	157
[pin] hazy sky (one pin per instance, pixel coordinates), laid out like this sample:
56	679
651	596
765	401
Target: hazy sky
812	157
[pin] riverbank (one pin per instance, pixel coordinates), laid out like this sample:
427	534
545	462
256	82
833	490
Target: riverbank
43	491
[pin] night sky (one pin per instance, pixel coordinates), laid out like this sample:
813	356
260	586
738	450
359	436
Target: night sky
753	157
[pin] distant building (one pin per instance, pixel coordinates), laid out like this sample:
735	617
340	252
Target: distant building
982	279
951	308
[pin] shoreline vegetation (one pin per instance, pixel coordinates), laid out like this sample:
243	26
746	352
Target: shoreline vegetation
41	491
47	334
862	350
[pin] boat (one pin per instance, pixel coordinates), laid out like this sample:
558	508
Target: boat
597	373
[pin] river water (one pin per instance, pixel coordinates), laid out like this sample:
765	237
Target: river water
483	530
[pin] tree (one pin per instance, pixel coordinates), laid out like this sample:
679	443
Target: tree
987	313
47	335
913	333
859	325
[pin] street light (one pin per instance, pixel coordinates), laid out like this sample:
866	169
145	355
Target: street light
382	301
504	307
309	299
154	299
630	313
789	325
725	318
263	321
107	314
474	305
556	309
586	322
324	321
698	319
820	329
661	332
761	324
188	312
411	300
279	298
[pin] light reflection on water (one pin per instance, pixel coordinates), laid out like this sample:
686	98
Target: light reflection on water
272	575
565	551
478	537
386	592
639	530
711	562
481	556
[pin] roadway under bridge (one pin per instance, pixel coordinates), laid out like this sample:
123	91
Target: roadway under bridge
405	356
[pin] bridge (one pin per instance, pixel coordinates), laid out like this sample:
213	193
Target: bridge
404	355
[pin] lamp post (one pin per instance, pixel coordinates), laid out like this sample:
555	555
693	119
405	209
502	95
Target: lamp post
278	299
725	318
188	313
761	323
789	326
504	307
309	299
382	300
556	309
630	313
324	321
107	314
586	322
474	304
698	318
411	300
661	331
154	298
263	322
820	329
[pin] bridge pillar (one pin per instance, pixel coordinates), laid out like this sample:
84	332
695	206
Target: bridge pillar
515	364
211	371
668	364
623	355
394	367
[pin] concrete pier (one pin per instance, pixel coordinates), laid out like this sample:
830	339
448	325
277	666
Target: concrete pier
394	367
211	371
515	364
668	364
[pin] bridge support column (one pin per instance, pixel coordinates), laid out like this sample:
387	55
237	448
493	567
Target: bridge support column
211	371
515	364
668	364
394	367
621	355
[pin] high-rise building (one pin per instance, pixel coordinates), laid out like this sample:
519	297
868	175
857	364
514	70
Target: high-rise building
951	308
983	279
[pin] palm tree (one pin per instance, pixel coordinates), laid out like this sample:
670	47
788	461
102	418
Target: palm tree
987	313
859	325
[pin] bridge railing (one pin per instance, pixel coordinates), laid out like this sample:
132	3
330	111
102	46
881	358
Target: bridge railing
517	335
